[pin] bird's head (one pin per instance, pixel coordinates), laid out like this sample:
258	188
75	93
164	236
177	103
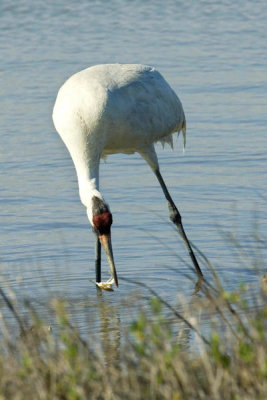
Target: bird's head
100	218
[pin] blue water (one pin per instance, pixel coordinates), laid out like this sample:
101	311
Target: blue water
214	56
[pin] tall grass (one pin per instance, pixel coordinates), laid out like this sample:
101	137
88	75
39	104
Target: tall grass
162	355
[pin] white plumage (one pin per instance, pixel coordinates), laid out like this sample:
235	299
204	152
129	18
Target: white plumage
115	108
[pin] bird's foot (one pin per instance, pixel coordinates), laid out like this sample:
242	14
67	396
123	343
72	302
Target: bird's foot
106	285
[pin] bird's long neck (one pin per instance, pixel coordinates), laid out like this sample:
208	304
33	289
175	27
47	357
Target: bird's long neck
88	189
88	180
87	168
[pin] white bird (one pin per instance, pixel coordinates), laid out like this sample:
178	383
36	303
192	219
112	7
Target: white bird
116	108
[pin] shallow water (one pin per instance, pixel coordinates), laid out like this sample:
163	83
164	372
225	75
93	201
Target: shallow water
214	56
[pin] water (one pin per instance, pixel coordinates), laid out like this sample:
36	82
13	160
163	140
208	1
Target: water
214	56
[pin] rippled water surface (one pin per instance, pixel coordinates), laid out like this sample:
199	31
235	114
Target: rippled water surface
214	56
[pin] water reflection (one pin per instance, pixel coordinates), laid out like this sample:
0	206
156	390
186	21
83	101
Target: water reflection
109	330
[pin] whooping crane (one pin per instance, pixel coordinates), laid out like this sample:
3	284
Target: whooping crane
116	108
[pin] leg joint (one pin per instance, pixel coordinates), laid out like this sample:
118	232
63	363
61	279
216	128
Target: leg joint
175	216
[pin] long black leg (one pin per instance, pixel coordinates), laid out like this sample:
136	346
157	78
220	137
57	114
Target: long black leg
175	217
97	260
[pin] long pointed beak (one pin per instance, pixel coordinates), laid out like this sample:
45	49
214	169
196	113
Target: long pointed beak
105	240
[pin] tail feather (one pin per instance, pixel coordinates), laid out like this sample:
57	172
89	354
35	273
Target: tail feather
183	129
169	139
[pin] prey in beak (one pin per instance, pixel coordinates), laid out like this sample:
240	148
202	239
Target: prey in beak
101	222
